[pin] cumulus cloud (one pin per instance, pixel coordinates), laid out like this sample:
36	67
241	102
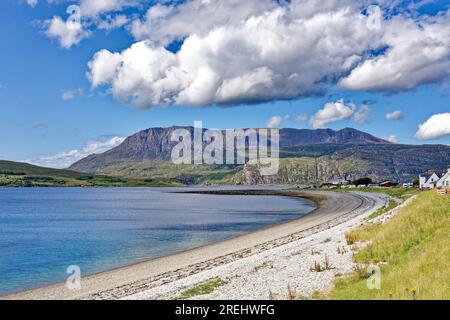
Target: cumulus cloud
340	110
393	116
66	158
417	53
67	33
261	59
274	122
71	94
101	14
32	3
103	67
164	23
391	138
255	51
332	112
92	8
435	127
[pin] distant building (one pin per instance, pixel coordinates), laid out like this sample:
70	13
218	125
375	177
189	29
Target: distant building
388	184
428	181
408	185
444	182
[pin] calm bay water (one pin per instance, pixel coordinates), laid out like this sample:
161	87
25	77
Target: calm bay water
43	231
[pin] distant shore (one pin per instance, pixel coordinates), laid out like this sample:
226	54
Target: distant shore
331	209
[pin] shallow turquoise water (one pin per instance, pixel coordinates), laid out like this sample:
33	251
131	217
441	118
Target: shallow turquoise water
43	231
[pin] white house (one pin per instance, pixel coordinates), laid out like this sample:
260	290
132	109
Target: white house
444	182
428	181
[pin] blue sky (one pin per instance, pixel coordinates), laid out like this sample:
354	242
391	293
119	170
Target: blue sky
50	106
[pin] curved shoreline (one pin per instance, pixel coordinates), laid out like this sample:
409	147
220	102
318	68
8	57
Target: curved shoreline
332	209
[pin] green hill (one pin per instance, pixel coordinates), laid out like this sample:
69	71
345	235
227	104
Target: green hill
17	174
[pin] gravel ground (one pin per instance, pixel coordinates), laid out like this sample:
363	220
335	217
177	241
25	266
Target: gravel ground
280	272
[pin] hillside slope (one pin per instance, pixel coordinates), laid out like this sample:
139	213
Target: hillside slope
308	156
17	174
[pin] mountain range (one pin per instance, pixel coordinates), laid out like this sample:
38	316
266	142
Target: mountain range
307	156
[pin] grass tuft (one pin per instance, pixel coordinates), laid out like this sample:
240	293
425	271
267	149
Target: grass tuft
203	288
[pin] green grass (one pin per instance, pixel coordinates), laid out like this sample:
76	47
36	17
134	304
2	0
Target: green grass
265	265
15	174
391	205
203	288
170	172
414	248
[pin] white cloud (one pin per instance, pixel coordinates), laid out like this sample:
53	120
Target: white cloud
67	33
435	127
103	67
274	122
332	112
395	115
66	158
260	59
92	8
113	22
363	114
391	138
418	53
92	14
32	3
71	94
164	23
255	51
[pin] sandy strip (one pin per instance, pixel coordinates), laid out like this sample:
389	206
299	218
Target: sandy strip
332	210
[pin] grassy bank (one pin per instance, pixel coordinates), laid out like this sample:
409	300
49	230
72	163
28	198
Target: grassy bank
413	251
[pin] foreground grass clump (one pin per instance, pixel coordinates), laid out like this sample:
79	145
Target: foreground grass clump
412	250
203	288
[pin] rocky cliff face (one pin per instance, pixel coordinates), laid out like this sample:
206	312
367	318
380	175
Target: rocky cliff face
150	144
155	144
